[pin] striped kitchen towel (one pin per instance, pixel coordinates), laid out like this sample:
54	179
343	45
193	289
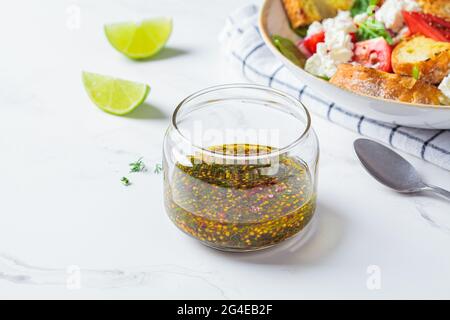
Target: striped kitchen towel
242	42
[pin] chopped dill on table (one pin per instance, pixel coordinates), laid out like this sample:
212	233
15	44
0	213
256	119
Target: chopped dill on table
158	168
125	181
137	166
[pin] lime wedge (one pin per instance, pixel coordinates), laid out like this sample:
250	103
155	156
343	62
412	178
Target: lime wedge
139	40
113	95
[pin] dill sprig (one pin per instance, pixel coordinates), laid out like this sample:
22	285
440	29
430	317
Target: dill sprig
158	168
125	181
137	166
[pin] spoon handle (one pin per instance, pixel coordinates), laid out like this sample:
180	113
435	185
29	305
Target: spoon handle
439	191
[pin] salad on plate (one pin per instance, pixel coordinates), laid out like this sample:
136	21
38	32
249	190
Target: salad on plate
391	49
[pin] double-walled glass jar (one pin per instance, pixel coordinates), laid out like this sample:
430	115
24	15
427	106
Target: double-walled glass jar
240	167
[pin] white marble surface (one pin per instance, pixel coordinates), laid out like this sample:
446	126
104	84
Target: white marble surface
61	160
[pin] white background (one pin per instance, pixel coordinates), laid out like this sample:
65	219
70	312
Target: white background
61	160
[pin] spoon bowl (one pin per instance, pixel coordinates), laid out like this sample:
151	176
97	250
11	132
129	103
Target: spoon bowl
391	169
387	166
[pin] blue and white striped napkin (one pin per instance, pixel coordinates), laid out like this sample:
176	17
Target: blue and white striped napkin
243	43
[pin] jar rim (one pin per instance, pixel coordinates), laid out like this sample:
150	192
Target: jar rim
273	152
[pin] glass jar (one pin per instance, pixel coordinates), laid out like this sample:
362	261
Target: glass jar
240	167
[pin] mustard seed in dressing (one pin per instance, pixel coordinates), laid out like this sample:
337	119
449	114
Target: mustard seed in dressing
240	206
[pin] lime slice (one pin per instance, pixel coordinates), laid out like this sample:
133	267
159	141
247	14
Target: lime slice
113	95
139	40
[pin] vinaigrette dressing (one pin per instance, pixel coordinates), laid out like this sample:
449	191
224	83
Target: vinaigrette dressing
240	206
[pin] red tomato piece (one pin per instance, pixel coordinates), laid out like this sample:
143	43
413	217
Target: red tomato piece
427	25
310	43
436	20
303	49
374	53
443	26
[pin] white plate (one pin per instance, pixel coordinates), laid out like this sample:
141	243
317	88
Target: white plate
273	20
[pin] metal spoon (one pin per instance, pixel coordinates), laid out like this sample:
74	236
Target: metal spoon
392	170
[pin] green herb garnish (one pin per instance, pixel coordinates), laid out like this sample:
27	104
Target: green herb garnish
137	166
301	31
289	50
416	72
125	181
372	6
362	6
372	29
324	78
158	168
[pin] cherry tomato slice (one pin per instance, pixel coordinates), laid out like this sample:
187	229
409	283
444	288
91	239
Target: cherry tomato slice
374	53
417	23
435	20
310	43
443	26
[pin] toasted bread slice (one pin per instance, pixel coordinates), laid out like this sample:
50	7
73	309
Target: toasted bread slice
385	85
304	12
440	8
341	4
301	13
429	57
